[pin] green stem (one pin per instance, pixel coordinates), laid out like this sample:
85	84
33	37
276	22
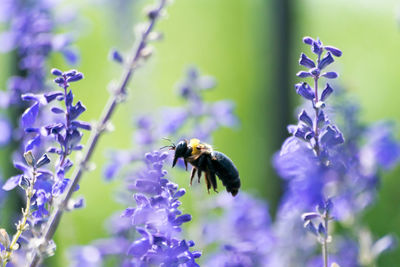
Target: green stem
21	227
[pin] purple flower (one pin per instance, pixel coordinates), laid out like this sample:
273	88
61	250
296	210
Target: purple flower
317	163
305	91
306	61
41	199
243	232
327	60
381	149
6	131
317	47
31	34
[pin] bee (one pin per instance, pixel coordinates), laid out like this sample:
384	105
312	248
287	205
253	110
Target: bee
213	163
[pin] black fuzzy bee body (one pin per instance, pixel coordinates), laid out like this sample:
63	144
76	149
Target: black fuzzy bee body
213	163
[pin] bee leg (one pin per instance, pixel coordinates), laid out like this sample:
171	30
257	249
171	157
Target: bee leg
213	181
207	181
192	174
211	173
201	162
185	163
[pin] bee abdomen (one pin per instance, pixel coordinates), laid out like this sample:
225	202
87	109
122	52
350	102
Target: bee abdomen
226	172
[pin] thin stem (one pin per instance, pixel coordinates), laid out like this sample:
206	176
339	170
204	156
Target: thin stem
325	253
316	129
21	227
316	136
325	242
108	111
65	149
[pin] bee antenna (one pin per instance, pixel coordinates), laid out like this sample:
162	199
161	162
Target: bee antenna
172	146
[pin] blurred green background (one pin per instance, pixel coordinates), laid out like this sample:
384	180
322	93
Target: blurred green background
252	48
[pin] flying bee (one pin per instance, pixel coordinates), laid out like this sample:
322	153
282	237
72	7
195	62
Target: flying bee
213	163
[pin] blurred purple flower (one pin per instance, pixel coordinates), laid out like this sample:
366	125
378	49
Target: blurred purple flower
243	232
30	31
6	131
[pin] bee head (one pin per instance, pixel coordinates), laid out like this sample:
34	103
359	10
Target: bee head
182	150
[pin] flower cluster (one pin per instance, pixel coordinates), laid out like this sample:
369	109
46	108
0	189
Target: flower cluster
156	218
43	186
322	216
30	32
319	132
318	163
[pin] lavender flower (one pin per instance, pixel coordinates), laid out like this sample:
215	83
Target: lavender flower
6	131
42	186
317	163
242	233
30	32
156	218
323	215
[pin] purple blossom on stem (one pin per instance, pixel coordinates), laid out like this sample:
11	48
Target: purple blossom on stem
41	185
157	218
30	31
317	164
322	215
139	53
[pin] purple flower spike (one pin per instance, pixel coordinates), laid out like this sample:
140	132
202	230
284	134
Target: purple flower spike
328	59
306	61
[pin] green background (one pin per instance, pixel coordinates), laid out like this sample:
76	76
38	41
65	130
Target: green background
237	42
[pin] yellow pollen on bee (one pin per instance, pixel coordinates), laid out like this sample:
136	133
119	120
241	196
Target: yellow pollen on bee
197	146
